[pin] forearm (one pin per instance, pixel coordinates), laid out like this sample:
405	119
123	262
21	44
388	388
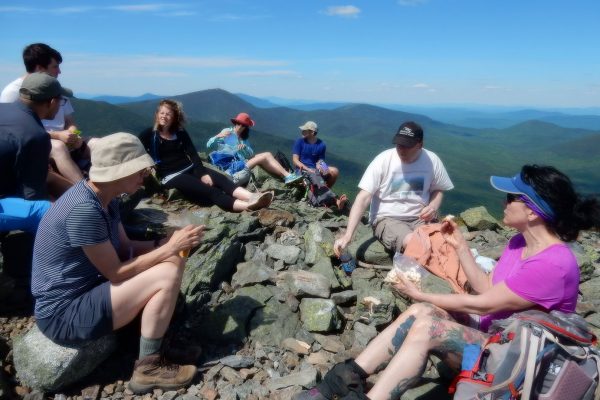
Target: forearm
478	279
436	198
356	212
136	265
465	303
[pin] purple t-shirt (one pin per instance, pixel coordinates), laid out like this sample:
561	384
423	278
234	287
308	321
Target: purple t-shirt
549	279
309	153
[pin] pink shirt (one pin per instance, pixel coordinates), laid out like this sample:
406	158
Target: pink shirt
549	279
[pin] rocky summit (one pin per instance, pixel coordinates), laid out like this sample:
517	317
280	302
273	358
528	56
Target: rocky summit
265	310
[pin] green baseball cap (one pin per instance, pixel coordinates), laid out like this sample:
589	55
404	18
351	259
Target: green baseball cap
40	86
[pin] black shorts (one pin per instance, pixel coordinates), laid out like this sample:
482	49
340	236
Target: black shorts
88	317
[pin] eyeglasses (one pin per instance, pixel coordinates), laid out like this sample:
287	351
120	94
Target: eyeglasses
510	197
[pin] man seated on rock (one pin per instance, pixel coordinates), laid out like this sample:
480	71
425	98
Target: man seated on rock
68	148
24	143
89	278
404	187
308	154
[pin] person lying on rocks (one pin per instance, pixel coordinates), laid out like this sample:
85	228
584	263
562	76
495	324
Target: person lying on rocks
404	186
89	278
178	165
536	270
231	144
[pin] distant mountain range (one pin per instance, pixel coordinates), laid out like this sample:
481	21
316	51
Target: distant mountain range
355	133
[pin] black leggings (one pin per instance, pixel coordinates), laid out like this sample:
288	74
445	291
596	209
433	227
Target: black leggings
190	185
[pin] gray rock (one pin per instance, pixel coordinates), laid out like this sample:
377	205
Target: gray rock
324	267
478	218
363	334
345	297
590	289
237	362
289	254
306	378
375	314
318	243
273	323
303	283
248	273
46	366
320	315
330	343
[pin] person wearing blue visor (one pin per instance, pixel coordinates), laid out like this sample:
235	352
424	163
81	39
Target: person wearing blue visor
537	270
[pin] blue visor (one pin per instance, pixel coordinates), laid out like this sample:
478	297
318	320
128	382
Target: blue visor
516	185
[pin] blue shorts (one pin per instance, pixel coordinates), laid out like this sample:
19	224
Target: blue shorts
21	214
88	317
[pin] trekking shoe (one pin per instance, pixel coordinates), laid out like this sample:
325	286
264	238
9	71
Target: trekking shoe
259	200
154	372
291	178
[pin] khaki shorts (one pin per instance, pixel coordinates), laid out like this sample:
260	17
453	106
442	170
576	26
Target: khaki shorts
391	232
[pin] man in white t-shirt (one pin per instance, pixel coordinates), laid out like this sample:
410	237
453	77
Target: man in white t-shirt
404	187
39	57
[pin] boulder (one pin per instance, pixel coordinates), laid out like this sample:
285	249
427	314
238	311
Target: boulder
44	365
318	243
478	218
288	254
320	315
306	283
273	323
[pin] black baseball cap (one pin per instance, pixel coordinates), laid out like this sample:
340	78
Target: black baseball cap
409	134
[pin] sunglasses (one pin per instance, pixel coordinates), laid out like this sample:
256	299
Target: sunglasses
510	197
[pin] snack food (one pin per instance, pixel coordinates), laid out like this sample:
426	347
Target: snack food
449	217
395	276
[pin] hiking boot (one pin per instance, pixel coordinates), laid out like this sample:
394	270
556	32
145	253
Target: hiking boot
344	381
291	178
259	200
154	372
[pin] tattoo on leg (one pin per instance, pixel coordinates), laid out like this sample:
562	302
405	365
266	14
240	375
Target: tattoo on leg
436	311
401	333
452	338
402	387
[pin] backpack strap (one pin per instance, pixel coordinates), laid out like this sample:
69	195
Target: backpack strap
537	339
597	359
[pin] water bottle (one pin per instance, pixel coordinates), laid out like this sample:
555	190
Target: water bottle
348	264
322	166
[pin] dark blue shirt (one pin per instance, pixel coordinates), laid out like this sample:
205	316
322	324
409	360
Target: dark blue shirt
24	152
309	153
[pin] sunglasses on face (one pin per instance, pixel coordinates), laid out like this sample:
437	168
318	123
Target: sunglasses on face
510	197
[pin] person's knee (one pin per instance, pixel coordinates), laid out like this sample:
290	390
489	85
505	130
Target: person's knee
334	172
170	273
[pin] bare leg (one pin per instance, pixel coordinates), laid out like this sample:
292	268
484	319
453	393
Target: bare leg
65	164
332	176
154	292
240	194
268	163
403	347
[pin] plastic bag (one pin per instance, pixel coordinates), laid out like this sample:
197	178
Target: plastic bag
408	268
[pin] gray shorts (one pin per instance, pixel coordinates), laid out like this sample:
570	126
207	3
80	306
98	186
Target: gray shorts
88	317
391	232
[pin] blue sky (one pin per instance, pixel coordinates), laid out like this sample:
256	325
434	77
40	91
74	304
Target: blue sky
542	53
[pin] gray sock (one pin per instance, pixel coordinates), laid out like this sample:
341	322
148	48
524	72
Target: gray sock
149	346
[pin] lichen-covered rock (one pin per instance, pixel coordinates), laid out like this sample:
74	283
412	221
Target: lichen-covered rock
320	315
478	218
306	283
46	366
318	243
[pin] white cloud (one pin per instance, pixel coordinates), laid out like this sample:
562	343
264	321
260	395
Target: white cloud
142	7
420	86
343	11
270	73
80	61
492	87
411	3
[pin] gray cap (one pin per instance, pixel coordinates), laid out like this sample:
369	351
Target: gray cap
40	86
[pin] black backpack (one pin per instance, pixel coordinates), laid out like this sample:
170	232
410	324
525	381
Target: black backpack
318	194
283	160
